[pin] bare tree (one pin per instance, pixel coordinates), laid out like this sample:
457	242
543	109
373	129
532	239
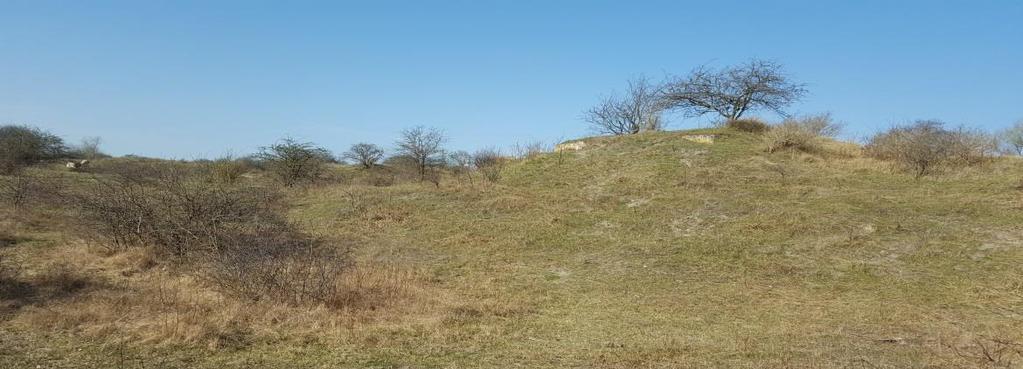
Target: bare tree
423	145
639	110
89	148
365	154
733	91
1013	138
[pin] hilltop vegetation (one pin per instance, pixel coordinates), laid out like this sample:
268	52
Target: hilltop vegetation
648	250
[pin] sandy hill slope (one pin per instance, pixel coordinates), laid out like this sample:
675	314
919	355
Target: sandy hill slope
653	251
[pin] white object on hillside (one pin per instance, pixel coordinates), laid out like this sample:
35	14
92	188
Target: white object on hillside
707	139
77	164
570	146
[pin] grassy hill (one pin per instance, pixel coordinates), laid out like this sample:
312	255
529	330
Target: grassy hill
646	251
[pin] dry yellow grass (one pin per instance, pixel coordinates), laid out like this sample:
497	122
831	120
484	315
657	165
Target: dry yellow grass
124	297
648	251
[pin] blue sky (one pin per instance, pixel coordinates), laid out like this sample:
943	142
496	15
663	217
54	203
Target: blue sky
189	79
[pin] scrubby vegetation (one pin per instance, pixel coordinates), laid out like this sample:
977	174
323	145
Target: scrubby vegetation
488	162
228	170
805	134
1012	138
233	235
23	189
649	250
21	146
664	249
751	125
294	162
926	145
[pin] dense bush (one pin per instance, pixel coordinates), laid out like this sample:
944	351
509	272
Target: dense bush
236	235
488	162
173	208
15	190
972	146
752	125
281	267
21	146
925	145
228	170
24	189
31	189
803	134
137	167
294	162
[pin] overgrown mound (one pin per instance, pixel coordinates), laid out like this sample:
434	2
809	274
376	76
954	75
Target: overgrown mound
632	247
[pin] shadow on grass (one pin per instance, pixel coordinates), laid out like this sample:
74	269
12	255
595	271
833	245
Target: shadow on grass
7	240
56	284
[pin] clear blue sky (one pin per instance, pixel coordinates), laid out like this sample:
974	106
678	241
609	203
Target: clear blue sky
191	79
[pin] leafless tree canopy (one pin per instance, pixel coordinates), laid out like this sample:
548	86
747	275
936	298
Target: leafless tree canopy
89	148
639	110
733	91
925	145
365	154
1013	138
423	145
